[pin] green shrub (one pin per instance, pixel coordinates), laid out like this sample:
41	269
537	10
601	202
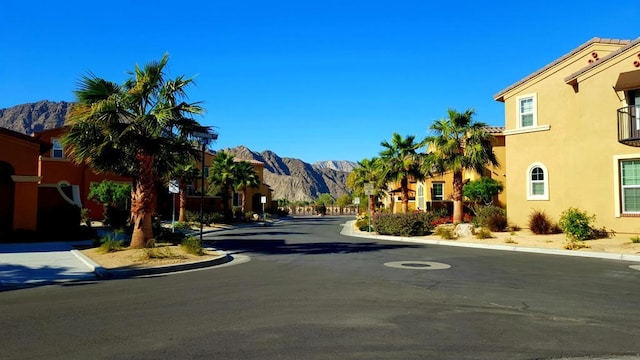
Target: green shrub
635	239
491	217
321	209
192	246
576	224
539	223
411	224
110	243
182	225
362	222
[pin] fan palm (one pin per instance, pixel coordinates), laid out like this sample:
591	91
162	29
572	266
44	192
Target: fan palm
458	144
367	171
132	129
400	162
246	177
223	176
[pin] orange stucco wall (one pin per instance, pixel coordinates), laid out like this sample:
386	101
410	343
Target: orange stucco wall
22	154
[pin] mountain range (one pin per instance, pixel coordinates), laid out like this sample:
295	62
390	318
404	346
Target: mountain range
290	178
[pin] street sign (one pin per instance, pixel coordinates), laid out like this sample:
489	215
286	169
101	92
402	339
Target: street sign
173	187
263	199
368	189
356	201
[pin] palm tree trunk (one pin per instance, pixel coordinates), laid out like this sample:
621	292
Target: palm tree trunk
142	202
182	216
372	204
404	188
244	200
457	196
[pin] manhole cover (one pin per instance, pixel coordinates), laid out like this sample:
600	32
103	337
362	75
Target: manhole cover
417	265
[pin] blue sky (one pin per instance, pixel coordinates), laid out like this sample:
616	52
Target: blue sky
315	80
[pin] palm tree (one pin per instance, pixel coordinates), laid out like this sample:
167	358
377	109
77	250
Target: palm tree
246	177
458	144
186	174
401	161
130	130
222	175
367	171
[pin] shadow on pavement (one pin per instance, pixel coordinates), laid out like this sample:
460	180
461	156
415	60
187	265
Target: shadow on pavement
14	276
274	247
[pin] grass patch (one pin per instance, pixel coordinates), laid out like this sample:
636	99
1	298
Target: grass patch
483	233
192	246
445	232
509	240
160	252
110	243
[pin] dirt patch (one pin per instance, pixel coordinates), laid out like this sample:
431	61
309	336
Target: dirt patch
139	258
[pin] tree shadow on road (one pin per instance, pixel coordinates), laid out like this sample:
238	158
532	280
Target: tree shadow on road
16	276
281	247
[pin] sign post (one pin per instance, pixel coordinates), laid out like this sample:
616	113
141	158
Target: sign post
263	200
173	189
368	190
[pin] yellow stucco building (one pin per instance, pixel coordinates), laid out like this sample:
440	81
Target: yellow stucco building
573	136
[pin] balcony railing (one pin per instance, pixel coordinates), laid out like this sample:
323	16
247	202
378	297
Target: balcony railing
629	125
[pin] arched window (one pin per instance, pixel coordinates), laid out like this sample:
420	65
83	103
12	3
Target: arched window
537	182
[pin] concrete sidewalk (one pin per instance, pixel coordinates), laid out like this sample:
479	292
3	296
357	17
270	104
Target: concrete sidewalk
31	264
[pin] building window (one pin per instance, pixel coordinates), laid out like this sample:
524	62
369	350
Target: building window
537	182
206	172
630	186
437	191
526	111
420	196
57	151
236	199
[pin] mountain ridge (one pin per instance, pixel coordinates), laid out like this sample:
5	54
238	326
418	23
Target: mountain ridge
290	178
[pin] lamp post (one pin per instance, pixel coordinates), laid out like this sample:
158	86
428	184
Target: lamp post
203	139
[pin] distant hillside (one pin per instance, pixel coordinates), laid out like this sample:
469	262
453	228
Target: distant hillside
32	117
296	180
290	178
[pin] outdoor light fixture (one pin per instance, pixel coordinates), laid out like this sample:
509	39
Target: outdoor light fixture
203	139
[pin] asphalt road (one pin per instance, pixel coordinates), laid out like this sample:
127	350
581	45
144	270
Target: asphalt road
309	293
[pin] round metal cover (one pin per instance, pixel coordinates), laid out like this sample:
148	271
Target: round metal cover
417	265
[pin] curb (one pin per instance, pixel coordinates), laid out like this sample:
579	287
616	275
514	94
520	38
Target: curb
347	230
132	272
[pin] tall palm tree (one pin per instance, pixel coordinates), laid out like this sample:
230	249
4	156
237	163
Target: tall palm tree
223	175
458	144
246	177
400	162
367	171
129	129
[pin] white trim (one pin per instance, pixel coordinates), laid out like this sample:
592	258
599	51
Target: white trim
534	112
545	196
617	206
525	130
25	178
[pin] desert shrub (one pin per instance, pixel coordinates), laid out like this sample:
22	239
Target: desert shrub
192	246
362	222
576	224
111	243
491	217
182	225
483	190
509	240
159	252
483	233
411	224
635	239
207	218
445	232
539	223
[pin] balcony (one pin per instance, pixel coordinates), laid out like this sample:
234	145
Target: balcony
629	125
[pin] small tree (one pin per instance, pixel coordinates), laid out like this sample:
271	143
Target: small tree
114	197
482	191
325	199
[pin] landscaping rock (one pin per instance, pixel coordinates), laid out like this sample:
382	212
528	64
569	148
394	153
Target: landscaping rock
463	230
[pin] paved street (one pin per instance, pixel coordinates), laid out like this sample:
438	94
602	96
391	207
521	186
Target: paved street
309	293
